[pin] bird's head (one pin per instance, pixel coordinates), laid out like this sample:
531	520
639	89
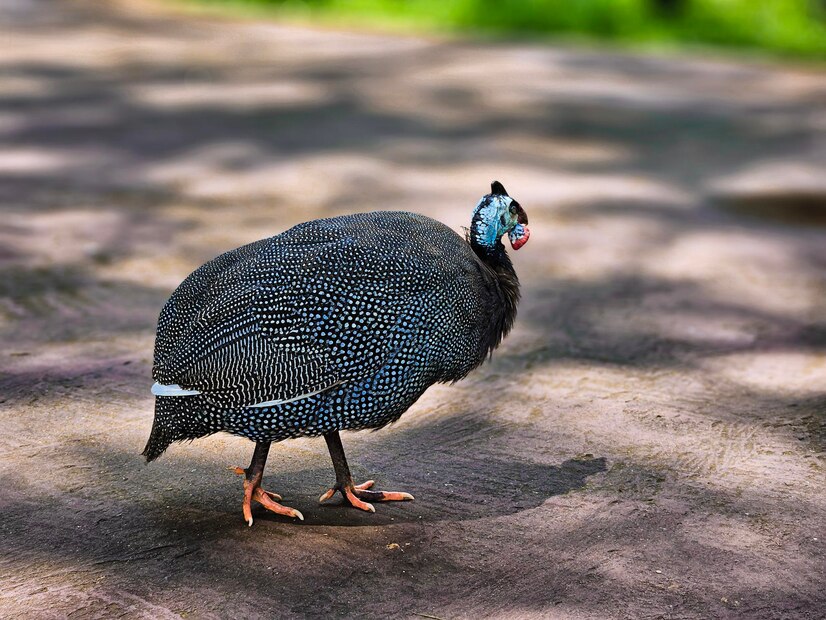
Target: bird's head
498	214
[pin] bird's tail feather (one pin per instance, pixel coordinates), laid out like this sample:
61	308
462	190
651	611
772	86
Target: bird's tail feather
179	418
157	443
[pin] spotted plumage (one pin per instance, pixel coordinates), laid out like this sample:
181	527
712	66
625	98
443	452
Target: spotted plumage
335	324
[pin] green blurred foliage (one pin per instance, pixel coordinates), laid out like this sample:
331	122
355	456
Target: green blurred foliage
793	27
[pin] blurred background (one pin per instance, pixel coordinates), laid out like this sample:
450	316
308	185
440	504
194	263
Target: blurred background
788	27
647	443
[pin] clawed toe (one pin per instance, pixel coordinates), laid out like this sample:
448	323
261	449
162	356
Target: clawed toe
263	498
383	496
253	491
350	495
356	493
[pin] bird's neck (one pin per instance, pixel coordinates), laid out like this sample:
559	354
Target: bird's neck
506	285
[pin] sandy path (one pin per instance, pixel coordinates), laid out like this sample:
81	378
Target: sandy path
649	443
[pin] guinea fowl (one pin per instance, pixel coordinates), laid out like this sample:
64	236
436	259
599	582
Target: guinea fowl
336	324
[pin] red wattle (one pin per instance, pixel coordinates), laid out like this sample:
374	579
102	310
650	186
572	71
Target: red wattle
523	239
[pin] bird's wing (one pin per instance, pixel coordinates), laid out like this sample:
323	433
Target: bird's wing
227	356
182	312
287	321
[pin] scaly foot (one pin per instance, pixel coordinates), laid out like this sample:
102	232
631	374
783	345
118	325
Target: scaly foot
253	491
354	493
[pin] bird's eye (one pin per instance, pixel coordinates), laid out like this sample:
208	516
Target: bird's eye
514	207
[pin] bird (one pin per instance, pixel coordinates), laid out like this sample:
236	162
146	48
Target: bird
335	324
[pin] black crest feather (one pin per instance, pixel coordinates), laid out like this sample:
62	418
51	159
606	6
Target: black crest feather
498	189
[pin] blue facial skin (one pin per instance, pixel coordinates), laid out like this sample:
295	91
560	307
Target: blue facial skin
492	219
516	234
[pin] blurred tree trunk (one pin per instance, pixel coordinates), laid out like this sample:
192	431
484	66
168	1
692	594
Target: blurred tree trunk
669	8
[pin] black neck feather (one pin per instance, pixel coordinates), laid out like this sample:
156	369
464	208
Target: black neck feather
505	287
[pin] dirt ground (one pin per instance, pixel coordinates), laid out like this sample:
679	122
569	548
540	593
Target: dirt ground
648	443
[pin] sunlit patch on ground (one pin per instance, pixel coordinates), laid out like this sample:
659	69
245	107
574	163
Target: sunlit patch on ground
648	442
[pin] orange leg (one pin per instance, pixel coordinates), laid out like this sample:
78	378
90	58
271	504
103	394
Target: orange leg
354	493
252	487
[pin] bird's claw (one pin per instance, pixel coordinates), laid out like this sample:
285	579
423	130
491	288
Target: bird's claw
355	493
253	491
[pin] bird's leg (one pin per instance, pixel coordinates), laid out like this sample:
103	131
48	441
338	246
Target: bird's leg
354	493
252	486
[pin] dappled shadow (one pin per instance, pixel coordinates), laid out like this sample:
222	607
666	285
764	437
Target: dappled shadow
803	207
650	322
672	329
175	520
456	482
63	304
135	539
